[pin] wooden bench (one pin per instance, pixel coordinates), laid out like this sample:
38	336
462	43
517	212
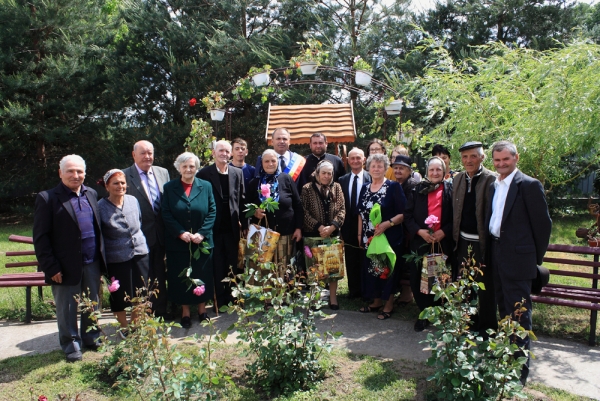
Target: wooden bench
27	280
574	296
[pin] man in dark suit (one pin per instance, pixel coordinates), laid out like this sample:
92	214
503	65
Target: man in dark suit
70	251
228	189
290	162
519	232
145	182
351	184
318	148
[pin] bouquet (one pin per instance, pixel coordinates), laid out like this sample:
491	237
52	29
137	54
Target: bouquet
383	257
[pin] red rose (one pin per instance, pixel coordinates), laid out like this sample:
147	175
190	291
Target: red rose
42	398
383	276
192	102
297	64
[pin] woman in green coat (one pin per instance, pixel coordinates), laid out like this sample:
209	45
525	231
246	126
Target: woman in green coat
188	211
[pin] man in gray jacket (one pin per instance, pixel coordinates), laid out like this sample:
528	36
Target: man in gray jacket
469	201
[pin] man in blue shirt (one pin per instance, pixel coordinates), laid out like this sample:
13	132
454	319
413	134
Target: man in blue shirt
239	153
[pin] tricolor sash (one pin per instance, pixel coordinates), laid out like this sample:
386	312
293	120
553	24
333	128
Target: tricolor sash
295	166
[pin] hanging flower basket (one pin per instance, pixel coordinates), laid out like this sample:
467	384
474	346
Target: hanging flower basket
309	67
363	78
594	242
217	114
394	107
261	79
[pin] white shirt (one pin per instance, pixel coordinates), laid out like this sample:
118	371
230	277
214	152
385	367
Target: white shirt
359	183
287	157
499	201
144	179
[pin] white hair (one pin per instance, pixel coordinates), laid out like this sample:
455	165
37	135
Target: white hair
222	142
184	157
76	158
149	144
379	158
270	152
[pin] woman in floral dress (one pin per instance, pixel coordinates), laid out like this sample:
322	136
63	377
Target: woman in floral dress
379	284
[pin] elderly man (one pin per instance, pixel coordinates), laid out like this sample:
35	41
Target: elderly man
519	232
351	184
469	203
145	182
318	148
70	251
289	162
228	189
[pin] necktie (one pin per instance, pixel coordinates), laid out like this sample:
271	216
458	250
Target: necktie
154	195
282	163
354	196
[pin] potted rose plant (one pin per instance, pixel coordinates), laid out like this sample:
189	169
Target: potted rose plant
392	106
214	103
364	72
310	58
260	75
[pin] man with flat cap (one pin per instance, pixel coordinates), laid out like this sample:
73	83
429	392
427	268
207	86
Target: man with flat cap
469	201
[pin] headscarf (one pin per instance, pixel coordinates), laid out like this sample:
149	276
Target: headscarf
269	179
324	189
426	185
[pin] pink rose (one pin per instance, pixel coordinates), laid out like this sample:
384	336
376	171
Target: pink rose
307	252
114	285
199	290
431	221
265	190
42	398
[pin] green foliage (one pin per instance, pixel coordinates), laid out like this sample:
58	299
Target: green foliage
312	51
283	337
361	64
200	140
258	70
148	365
214	100
467	366
544	102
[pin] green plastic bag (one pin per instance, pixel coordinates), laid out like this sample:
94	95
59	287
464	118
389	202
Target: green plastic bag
379	245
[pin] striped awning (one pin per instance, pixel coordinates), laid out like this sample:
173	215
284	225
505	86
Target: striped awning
336	121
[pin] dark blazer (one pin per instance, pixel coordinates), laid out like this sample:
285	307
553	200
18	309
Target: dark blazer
416	213
290	214
236	196
525	228
350	228
181	214
57	237
152	223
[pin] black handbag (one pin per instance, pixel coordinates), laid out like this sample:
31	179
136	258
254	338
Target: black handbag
541	280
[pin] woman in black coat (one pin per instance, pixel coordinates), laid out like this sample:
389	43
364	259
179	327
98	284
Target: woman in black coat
432	196
288	219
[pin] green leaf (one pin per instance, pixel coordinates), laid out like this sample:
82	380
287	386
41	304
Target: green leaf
197	254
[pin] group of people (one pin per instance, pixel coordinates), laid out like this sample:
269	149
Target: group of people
148	218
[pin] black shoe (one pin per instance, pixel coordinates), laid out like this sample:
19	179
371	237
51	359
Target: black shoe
334	306
74	357
421	324
186	322
95	346
203	316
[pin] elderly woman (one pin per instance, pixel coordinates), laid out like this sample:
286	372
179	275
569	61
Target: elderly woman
125	245
432	196
188	211
324	212
389	195
287	220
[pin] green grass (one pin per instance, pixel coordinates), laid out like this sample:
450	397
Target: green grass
348	377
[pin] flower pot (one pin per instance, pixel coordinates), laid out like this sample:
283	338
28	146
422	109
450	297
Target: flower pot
261	79
394	107
363	78
594	242
309	67
217	114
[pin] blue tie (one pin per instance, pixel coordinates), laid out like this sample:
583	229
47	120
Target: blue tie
154	194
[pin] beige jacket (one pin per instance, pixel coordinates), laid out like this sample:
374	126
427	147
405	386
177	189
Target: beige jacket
482	194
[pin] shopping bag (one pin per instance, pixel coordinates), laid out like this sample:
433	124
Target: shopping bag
434	271
264	240
324	258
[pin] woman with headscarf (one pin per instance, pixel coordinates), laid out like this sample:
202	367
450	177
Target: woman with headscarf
287	219
324	212
431	197
376	283
189	211
126	249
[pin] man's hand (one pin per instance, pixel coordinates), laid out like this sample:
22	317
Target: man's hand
57	278
297	236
